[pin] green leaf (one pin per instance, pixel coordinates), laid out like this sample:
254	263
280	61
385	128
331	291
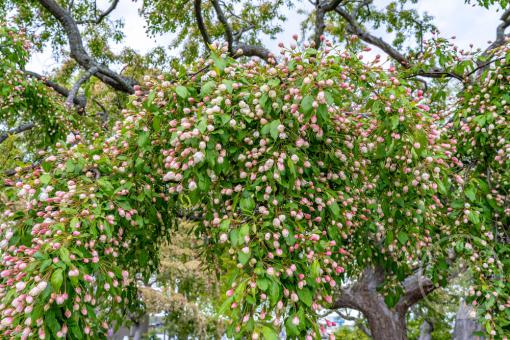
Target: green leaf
305	295
182	91
56	279
208	87
307	104
243	257
273	128
269	333
470	193
263	283
402	237
64	255
45	179
335	209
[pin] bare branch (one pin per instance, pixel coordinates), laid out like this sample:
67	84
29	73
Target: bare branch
101	16
197	5
321	8
359	31
371	39
254	51
226	26
19	129
501	37
416	287
78	84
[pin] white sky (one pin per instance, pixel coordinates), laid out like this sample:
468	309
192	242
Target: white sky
469	24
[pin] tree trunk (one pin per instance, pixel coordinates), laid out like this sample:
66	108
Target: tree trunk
426	329
386	324
466	324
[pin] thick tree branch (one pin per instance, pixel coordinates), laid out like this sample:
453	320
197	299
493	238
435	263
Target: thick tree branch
197	5
359	31
226	26
99	18
247	50
416	287
19	129
321	8
254	51
501	37
78	51
371	39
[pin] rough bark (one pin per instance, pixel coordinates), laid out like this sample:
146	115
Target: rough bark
426	329
384	322
466	324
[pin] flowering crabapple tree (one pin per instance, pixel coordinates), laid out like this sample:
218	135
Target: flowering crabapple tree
325	178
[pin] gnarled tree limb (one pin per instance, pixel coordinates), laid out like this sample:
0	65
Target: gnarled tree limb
78	51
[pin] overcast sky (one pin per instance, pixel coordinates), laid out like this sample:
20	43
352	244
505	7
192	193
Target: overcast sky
469	24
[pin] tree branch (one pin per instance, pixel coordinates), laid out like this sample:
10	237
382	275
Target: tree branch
500	32
359	31
101	16
416	287
254	51
78	51
226	26
371	39
321	8
197	5
19	129
78	84
79	101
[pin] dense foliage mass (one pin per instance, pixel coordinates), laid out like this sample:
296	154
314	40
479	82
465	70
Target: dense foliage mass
303	172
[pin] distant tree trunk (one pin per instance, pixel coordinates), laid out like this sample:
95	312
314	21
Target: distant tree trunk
140	327
385	323
466	323
426	329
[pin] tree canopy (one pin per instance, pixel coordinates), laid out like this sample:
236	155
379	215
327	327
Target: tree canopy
317	179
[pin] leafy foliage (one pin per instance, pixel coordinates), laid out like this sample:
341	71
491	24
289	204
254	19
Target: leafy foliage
303	173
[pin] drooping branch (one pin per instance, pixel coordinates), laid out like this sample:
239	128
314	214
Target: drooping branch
78	84
79	101
78	52
99	18
19	129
